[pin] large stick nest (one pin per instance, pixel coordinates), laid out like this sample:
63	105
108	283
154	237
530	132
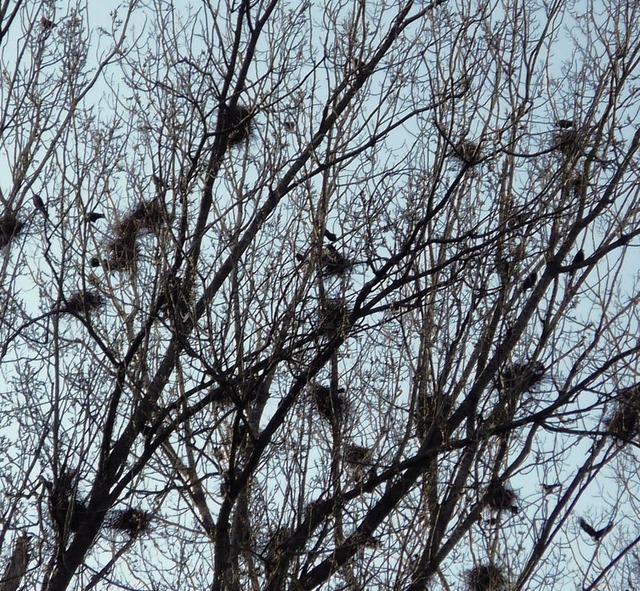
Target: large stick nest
10	227
237	124
83	302
486	577
331	404
501	498
624	423
132	521
334	317
517	378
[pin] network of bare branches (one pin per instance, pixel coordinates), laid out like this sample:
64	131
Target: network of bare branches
322	295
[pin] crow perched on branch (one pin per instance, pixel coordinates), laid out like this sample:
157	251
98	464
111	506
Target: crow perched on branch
46	23
40	206
577	260
530	281
94	216
330	236
596	534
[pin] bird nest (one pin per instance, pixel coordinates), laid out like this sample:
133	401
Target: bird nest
10	227
123	253
517	378
569	141
149	215
357	456
333	262
334	317
624	422
237	124
331	404
486	577
500	498
83	302
467	152
132	521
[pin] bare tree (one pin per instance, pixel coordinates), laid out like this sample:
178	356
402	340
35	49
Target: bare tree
329	295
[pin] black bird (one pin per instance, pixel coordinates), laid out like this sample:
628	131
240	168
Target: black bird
40	206
330	236
577	260
94	216
530	281
549	488
564	123
596	535
299	257
46	23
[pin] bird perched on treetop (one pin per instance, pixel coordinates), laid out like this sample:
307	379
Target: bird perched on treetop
577	260
40	206
330	236
94	216
46	23
530	281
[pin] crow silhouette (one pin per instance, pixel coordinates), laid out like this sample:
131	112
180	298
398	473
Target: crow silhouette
94	216
577	260
530	281
330	236
40	206
564	123
596	534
